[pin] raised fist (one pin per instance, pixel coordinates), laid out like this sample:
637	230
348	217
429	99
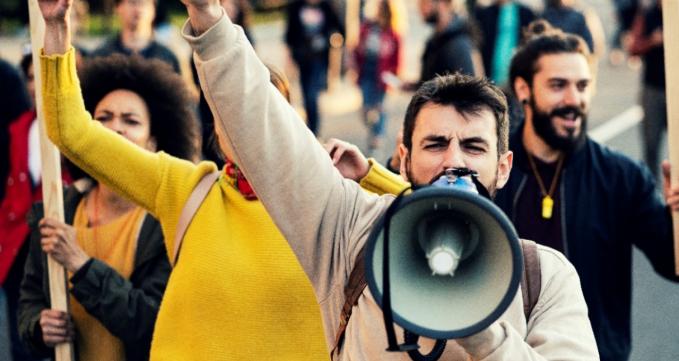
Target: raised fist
55	10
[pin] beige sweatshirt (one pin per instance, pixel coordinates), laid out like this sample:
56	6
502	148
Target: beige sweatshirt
327	219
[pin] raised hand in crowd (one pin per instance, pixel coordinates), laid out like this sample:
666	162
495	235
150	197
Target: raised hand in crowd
348	159
57	34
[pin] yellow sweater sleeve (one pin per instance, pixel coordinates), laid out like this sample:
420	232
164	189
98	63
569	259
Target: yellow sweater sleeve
129	170
381	181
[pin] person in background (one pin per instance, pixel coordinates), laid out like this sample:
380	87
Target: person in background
22	188
501	27
649	45
563	14
136	33
309	28
14	100
577	196
112	249
451	48
376	56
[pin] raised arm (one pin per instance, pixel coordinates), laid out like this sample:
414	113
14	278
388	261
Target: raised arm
57	25
318	212
108	157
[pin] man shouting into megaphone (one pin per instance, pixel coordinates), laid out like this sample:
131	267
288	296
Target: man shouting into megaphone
451	122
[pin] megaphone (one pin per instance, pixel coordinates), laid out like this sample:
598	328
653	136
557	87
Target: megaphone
452	261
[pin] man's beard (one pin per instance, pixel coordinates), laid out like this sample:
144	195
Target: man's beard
491	190
545	129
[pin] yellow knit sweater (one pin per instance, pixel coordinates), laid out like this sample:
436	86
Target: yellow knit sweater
238	292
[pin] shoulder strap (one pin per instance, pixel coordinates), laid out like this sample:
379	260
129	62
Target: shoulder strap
530	286
531	281
352	291
190	207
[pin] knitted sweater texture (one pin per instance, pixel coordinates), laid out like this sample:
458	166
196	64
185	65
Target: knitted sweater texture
237	292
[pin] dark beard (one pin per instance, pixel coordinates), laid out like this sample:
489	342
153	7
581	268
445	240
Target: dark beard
542	123
489	192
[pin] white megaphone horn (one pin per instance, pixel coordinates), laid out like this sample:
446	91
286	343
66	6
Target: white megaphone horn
444	262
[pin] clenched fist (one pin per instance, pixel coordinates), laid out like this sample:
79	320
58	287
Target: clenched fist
55	11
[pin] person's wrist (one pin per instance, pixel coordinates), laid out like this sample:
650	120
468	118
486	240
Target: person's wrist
77	264
57	37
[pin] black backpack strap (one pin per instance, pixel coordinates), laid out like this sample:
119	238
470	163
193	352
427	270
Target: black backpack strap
352	291
531	281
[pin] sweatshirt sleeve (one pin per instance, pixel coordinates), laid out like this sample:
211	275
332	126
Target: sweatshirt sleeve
558	327
323	217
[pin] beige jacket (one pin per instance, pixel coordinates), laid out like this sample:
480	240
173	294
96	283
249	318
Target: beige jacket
327	219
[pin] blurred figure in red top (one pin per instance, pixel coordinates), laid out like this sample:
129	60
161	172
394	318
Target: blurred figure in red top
376	58
21	189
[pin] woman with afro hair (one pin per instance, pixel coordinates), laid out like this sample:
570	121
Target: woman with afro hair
112	249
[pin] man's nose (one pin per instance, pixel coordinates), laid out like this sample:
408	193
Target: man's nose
453	158
572	96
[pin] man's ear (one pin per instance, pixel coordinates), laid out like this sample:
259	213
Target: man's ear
521	89
504	168
403	155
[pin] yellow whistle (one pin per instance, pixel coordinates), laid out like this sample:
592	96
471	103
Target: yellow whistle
547	207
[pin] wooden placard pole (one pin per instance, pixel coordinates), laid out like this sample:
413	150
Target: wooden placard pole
52	193
671	43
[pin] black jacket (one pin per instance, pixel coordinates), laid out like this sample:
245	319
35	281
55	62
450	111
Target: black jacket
609	203
449	51
154	50
127	308
300	43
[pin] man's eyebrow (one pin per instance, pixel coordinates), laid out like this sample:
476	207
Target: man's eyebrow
436	138
473	140
566	80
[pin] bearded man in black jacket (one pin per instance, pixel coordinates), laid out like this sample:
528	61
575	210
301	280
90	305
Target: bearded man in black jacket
576	195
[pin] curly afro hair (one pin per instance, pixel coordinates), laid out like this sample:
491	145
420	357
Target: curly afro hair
173	122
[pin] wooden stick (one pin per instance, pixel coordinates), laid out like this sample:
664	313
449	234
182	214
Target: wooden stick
671	42
52	192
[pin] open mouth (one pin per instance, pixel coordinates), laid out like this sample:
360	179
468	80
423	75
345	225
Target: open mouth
568	117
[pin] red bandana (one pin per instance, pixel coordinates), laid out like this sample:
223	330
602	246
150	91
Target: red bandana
236	178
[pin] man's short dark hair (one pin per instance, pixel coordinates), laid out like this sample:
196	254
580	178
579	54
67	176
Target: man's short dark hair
468	95
540	39
173	123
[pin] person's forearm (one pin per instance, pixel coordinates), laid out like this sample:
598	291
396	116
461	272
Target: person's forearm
57	38
204	17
